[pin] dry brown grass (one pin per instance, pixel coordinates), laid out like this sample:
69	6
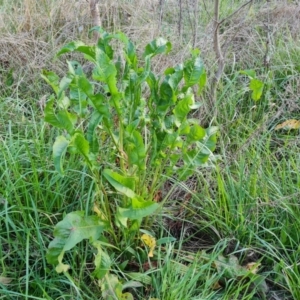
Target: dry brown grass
32	31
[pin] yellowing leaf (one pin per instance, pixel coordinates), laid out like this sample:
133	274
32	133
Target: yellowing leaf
97	210
216	285
150	242
61	267
289	124
5	280
253	267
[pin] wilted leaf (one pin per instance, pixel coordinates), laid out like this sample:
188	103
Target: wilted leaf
150	242
97	210
229	266
61	267
252	267
5	280
289	124
216	285
112	289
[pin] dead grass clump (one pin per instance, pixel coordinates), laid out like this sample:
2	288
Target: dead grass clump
282	16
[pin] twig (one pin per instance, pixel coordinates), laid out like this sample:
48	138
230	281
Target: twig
196	12
180	20
235	12
218	51
95	14
220	55
161	4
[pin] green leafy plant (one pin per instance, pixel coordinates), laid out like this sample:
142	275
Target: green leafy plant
132	129
255	85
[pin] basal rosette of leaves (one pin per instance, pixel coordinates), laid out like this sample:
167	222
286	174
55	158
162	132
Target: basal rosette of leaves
142	118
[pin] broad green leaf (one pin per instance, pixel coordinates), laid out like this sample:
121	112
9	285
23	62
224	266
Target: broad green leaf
131	54
105	70
92	137
139	209
59	150
184	128
121	220
250	73
176	76
52	79
202	82
195	157
157	46
66	120
63	120
78	97
74	228
135	149
100	104
196	133
102	261
70	47
166	92
88	51
75	68
81	145
85	85
182	108
50	116
257	87
193	72
124	185
145	71
63	85
211	138
171	141
99	29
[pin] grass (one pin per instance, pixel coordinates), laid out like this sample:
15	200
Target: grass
245	210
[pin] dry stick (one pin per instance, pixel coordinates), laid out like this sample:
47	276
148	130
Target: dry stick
180	20
220	55
95	14
268	42
193	20
196	14
161	4
206	10
218	52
